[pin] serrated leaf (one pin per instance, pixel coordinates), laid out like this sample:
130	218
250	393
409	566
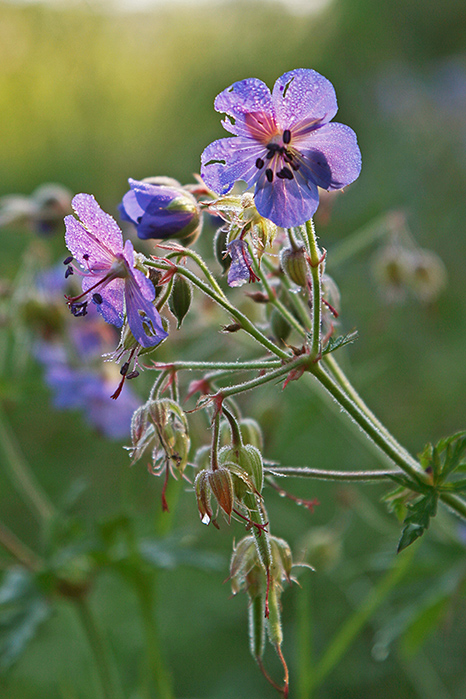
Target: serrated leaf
340	341
418	519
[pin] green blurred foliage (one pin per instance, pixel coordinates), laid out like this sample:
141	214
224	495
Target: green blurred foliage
90	97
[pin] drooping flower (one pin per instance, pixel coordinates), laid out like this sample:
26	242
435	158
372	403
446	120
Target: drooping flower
283	144
241	270
161	208
110	277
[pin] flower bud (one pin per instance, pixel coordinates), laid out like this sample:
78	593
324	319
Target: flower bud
248	476
172	429
142	433
161	208
220	249
202	488
251	432
221	484
180	298
294	264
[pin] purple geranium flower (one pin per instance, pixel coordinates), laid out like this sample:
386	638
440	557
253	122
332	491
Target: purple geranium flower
160	208
110	277
284	145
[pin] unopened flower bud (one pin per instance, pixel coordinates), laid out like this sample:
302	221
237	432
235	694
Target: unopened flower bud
220	249
161	211
251	432
202	488
180	298
294	264
142	433
221	484
249	473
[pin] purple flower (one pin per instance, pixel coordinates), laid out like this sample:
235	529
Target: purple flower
85	390
110	277
241	270
160	208
283	144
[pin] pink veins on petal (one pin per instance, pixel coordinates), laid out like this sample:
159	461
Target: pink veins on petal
283	144
110	278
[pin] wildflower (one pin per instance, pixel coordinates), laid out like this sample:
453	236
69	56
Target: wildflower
110	277
161	208
283	144
241	270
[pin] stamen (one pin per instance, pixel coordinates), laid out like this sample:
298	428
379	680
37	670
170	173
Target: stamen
285	174
97	298
85	256
124	369
259	163
269	174
69	272
79	309
132	374
286	136
68	260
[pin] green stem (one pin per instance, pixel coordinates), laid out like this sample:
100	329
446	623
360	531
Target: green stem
389	446
187	252
163	298
289	317
316	260
243	320
96	644
22	476
305	644
266	378
345	636
144	587
253	365
18	550
323	475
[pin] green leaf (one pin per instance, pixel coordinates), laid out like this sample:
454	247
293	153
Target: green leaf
418	518
340	341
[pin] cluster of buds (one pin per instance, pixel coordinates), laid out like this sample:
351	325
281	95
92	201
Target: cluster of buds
264	589
160	425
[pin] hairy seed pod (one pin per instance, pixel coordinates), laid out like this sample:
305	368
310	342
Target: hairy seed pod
180	298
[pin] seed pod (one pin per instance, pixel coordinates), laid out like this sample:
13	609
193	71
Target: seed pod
251	432
180	298
294	264
222	488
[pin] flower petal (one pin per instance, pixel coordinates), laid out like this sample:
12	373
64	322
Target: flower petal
143	318
243	97
241	263
228	160
112	307
102	228
287	202
332	154
301	98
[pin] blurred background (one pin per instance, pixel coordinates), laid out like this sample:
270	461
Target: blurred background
92	93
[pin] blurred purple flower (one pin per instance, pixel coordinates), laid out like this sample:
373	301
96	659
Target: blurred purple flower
160	208
88	391
284	145
110	277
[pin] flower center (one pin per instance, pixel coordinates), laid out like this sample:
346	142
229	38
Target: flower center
281	160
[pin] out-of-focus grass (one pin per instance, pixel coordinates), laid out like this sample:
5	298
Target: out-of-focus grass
89	98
